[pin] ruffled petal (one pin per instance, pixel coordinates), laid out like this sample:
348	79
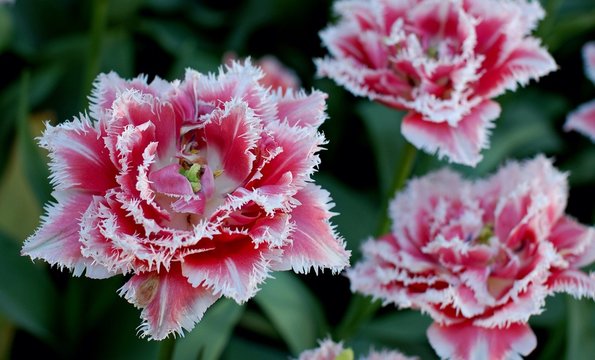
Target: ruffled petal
582	120
461	143
573	282
527	61
467	342
314	241
57	240
168	302
229	265
574	241
300	109
231	135
79	158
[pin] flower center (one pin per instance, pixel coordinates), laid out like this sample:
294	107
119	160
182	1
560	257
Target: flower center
486	233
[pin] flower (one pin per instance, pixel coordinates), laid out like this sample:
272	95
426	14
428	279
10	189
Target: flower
440	60
583	118
329	350
276	75
198	188
480	257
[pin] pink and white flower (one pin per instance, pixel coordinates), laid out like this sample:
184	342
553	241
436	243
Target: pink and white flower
198	188
276	75
480	257
441	60
329	350
583	118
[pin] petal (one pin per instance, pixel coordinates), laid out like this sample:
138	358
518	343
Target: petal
527	61
461	143
300	109
573	282
168	180
231	135
276	75
298	157
574	241
108	87
327	350
582	120
168	302
314	241
229	265
589	59
79	158
467	342
57	239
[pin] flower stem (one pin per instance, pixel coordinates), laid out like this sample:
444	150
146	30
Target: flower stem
97	31
166	350
361	309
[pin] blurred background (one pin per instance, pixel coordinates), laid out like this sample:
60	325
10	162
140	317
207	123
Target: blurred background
50	52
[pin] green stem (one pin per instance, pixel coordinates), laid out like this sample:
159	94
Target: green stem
97	31
402	172
166	350
361	309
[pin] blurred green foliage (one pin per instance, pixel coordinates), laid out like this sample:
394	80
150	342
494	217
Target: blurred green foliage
51	50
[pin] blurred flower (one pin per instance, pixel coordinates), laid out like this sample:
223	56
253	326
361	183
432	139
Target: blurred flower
441	60
329	350
276	75
198	188
480	257
583	118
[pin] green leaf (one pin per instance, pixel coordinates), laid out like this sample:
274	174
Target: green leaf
384	129
6	28
239	348
399	326
210	336
27	295
118	54
293	310
36	170
580	334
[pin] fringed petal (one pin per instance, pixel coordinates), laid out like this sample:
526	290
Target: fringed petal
228	265
574	241
168	302
79	159
582	120
314	241
462	143
573	282
467	342
589	60
299	109
57	240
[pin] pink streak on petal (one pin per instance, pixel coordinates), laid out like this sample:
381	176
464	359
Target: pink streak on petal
79	159
574	241
231	136
276	75
467	342
168	302
228	265
573	282
299	109
461	144
314	241
526	62
327	350
57	240
589	59
168	180
582	120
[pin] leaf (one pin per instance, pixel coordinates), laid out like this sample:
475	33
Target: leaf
36	170
239	348
384	130
6	29
293	310
580	336
210	336
401	326
27	295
